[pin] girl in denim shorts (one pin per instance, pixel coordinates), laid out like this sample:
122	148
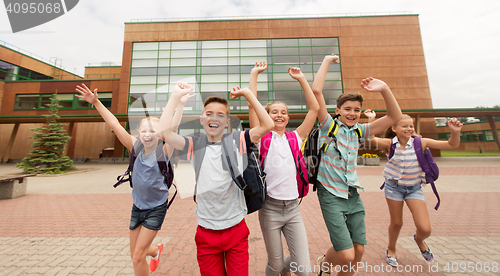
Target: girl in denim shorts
150	192
404	179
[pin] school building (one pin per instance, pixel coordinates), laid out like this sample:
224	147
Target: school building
216	55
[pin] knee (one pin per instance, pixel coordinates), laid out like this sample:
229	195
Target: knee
275	266
424	232
397	224
138	257
347	256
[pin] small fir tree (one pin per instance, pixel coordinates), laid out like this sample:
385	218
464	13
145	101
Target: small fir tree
49	140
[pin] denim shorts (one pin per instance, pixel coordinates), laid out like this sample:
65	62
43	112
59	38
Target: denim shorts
151	219
397	192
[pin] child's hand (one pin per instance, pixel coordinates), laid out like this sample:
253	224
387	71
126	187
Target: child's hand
332	58
86	94
455	125
295	73
238	92
182	89
185	98
259	67
373	85
370	114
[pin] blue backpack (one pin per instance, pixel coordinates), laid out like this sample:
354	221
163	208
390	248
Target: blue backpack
426	162
165	167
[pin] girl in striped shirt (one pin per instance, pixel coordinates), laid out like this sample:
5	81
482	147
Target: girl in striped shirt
403	180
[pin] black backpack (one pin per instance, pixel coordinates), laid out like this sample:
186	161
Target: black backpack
253	180
312	153
165	167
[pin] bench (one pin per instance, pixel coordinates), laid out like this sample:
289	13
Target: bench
13	186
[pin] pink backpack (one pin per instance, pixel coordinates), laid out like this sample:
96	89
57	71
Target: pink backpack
300	164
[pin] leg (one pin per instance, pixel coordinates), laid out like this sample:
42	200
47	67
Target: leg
140	247
418	209
236	243
271	223
296	239
396	213
209	253
335	260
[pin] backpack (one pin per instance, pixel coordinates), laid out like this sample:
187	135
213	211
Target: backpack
312	154
165	167
253	180
300	165
426	162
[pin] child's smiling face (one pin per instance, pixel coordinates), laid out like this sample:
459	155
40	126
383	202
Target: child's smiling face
214	119
279	113
148	134
404	128
350	112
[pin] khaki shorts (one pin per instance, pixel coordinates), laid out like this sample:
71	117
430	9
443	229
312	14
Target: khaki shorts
344	218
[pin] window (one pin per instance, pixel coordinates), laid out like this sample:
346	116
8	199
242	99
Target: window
214	67
66	101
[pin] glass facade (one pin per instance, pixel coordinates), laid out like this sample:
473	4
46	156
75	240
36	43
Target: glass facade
66	101
215	67
10	72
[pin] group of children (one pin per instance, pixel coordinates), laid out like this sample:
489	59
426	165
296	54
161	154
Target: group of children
222	234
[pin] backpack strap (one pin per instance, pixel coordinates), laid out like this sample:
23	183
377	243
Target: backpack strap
166	169
297	158
332	131
424	165
265	143
198	151
137	147
392	149
230	162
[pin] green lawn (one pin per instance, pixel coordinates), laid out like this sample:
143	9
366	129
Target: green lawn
456	153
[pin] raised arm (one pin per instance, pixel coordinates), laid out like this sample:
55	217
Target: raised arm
176	121
166	119
265	122
454	141
318	83
91	97
308	123
252	85
393	111
379	142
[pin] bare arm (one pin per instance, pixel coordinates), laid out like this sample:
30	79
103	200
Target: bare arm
166	120
454	141
308	123
91	97
176	120
318	83
265	122
393	111
252	85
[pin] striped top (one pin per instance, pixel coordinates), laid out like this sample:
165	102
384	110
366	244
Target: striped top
337	173
403	166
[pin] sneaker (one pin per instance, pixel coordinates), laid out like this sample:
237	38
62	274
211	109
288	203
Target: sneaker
153	264
320	262
392	261
427	254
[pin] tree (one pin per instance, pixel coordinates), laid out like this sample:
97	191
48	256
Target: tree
49	141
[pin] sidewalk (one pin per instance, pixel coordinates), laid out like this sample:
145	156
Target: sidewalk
77	224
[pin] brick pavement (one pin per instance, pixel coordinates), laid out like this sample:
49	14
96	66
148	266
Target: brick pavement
77	224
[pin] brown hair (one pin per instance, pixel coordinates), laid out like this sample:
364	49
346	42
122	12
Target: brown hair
215	99
349	97
268	106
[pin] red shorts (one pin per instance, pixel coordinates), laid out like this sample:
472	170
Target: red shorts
223	252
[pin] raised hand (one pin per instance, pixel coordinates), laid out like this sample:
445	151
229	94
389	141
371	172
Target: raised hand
370	114
373	85
182	89
260	67
86	94
185	98
333	58
295	73
455	125
238	92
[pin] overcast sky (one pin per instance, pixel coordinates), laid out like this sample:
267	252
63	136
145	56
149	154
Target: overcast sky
461	39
